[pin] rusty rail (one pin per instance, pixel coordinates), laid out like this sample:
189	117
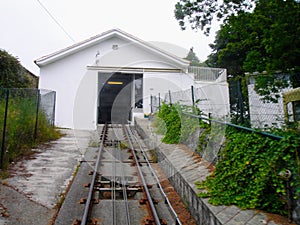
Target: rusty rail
88	204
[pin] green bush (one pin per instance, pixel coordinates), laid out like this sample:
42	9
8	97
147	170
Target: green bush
178	127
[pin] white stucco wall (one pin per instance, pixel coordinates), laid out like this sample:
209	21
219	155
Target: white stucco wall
65	76
85	102
211	96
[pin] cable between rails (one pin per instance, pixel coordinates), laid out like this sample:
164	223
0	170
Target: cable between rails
123	183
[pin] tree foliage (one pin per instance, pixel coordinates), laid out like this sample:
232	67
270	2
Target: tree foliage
266	39
12	73
200	13
231	44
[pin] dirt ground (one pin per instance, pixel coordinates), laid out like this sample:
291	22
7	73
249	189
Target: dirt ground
183	213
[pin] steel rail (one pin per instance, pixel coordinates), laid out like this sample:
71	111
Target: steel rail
113	185
123	183
85	216
157	179
146	189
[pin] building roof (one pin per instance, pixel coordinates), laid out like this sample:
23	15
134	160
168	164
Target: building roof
102	37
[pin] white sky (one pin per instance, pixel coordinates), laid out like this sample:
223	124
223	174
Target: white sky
29	33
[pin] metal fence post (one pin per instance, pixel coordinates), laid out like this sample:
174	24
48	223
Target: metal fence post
240	101
4	130
151	103
193	97
54	103
159	102
37	115
170	97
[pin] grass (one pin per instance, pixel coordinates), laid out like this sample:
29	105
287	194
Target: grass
20	134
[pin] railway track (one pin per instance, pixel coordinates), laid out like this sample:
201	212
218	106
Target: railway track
123	186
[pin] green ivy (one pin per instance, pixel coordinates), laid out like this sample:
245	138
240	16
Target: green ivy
169	114
248	174
175	125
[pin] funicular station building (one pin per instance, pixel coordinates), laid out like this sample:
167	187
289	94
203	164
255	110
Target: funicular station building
110	77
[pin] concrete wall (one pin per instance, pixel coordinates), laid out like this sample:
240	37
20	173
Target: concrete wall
199	209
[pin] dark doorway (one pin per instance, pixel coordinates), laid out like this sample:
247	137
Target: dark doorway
115	98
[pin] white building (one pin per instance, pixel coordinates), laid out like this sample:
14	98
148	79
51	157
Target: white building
110	78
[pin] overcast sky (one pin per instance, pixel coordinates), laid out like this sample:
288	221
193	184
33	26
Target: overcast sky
28	31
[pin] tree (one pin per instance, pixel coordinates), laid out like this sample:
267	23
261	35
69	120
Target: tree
230	46
266	39
192	57
278	23
200	13
12	73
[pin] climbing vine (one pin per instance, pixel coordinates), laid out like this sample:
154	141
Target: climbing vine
254	172
170	116
174	125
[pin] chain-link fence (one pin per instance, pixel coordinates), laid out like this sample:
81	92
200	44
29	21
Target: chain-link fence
211	99
47	104
255	101
22	111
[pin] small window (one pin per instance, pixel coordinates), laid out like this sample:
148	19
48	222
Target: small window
115	47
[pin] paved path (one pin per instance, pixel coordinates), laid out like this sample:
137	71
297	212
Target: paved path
31	193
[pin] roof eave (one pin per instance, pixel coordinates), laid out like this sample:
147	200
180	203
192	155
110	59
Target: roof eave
45	60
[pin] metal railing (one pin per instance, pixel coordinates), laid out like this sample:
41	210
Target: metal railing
207	73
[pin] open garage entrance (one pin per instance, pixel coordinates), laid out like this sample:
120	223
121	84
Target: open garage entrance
119	93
